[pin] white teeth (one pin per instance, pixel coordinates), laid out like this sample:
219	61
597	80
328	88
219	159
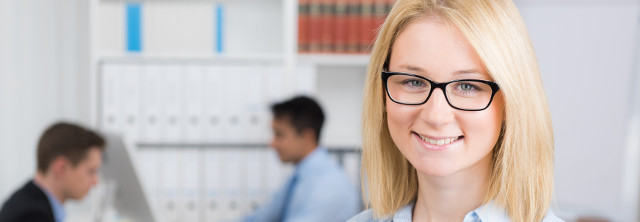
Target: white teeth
440	141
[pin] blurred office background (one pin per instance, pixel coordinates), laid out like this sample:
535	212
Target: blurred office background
188	83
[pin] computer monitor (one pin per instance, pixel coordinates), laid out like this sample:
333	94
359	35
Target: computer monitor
124	192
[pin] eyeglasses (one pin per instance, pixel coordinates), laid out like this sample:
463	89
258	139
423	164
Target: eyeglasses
463	94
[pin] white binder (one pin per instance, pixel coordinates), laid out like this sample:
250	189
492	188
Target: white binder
172	103
234	187
235	96
256	177
213	169
110	97
255	108
130	98
150	96
168	200
193	94
189	200
274	87
214	81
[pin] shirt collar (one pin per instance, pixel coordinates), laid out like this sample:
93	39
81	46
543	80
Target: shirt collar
56	206
489	212
484	213
405	214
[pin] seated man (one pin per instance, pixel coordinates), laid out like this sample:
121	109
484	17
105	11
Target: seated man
318	190
68	159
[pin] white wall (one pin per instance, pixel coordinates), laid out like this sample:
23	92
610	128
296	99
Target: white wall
586	52
43	76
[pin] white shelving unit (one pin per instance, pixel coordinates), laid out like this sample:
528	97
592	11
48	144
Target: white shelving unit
277	43
257	33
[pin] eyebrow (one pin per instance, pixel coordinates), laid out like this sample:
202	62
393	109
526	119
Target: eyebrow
413	68
459	72
468	71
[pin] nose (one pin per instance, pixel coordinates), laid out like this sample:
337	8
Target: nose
436	111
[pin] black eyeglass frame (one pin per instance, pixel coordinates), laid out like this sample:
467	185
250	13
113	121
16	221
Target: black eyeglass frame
442	86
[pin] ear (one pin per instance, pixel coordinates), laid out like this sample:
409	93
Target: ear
309	134
59	166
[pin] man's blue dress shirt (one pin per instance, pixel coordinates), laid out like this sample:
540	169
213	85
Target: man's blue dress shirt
318	190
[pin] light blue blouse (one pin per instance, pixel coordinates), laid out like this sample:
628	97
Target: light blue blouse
485	213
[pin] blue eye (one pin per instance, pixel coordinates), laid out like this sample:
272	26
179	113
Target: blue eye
467	87
416	83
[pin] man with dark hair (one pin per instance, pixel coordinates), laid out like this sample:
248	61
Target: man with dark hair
318	190
68	159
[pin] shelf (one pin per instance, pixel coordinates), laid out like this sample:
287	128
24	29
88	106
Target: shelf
233	145
186	1
334	59
190	57
307	59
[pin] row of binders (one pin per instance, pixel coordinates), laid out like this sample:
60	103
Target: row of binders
340	26
202	124
193	102
217	184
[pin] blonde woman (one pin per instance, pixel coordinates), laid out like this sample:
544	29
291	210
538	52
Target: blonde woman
456	123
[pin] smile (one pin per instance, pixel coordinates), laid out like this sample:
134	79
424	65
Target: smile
439	141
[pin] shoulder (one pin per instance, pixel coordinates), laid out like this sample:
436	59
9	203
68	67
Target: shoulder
551	217
492	212
329	184
324	170
366	216
27	194
36	213
26	204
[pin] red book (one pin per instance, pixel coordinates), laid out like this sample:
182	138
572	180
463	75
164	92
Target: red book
353	26
303	26
379	14
367	24
341	28
389	5
328	23
315	26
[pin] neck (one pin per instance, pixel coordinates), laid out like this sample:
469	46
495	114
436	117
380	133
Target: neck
450	198
47	182
307	150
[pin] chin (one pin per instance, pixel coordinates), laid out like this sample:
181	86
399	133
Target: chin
79	197
435	169
436	173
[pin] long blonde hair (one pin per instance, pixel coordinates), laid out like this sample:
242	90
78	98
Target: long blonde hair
522	163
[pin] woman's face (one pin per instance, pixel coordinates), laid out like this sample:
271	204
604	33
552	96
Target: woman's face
437	139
